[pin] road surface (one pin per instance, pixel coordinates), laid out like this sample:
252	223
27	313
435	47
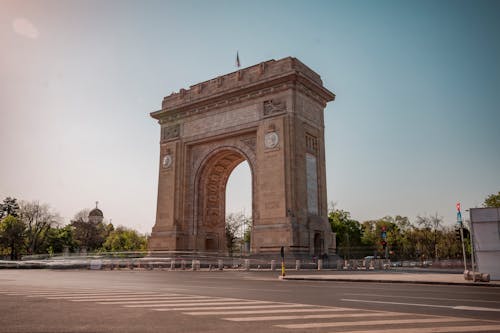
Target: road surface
234	301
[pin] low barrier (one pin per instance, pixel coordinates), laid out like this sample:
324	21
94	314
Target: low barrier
200	261
364	264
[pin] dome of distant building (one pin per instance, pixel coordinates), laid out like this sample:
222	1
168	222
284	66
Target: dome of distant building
96	215
96	212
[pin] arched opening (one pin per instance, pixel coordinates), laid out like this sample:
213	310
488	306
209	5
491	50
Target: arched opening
239	210
210	225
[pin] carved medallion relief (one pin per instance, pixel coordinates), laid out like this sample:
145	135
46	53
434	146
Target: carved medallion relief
271	140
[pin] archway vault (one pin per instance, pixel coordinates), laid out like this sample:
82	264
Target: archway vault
211	182
271	115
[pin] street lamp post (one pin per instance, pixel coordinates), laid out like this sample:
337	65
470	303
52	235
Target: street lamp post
460	225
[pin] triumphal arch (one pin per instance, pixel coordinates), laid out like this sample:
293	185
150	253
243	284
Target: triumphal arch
270	115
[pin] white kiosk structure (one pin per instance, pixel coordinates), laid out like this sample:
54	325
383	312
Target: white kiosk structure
485	225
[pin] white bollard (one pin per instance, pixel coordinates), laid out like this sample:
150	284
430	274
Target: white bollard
320	264
297	265
220	263
247	264
273	265
172	265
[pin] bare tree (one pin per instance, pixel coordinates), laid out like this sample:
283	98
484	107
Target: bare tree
431	225
82	215
38	219
237	229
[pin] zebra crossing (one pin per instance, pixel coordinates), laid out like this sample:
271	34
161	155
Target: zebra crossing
294	317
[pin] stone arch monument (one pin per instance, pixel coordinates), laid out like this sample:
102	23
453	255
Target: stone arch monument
270	115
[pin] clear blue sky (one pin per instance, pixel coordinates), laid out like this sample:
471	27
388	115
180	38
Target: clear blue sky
414	128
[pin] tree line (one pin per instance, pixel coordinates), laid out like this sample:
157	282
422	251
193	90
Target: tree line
424	239
29	228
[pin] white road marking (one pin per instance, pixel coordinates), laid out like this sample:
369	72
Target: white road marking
138	298
155	305
318	316
422	297
369	323
396	303
80	291
161	300
457	307
278	306
475	308
45	291
308	309
89	295
99	296
446	329
436	289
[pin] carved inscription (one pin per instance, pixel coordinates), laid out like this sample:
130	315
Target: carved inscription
221	121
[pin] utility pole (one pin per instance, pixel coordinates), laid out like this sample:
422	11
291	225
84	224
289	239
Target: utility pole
473	261
460	225
383	235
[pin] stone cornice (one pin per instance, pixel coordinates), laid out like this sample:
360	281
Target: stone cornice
252	82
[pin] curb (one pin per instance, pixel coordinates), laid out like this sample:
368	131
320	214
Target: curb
477	284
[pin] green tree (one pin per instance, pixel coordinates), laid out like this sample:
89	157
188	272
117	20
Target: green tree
372	234
348	234
39	219
448	246
12	235
124	239
400	244
89	234
493	200
59	238
9	206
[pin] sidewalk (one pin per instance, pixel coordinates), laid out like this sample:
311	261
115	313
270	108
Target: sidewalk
391	277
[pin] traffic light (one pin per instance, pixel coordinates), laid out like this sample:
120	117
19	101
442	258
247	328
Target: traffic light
466	233
457	234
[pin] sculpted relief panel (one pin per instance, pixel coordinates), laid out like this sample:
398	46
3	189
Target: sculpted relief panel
272	107
170	132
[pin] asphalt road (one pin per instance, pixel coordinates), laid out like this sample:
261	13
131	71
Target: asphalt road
230	301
